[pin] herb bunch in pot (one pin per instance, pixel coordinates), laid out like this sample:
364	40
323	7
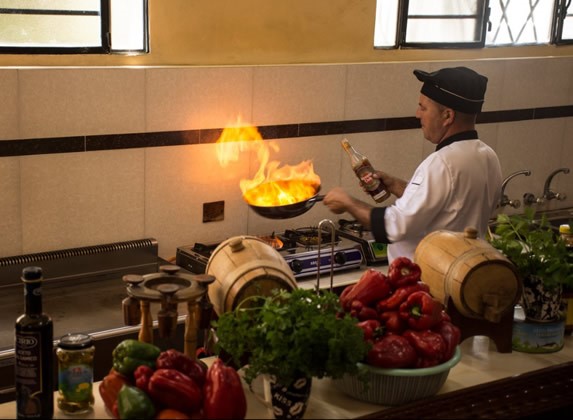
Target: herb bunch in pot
291	336
541	258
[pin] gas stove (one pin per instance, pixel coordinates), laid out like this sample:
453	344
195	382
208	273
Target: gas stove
374	252
299	247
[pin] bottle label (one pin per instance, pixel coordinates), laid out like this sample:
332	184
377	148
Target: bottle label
364	173
29	370
75	382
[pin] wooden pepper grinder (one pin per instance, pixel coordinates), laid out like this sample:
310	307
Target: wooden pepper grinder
196	316
167	315
130	305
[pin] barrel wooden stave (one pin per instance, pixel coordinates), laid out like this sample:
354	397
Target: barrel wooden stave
246	266
481	282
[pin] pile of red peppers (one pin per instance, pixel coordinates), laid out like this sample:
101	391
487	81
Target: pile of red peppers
405	325
173	386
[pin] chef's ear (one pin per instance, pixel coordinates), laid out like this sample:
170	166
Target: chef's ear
449	114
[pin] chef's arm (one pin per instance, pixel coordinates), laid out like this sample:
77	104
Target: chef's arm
339	201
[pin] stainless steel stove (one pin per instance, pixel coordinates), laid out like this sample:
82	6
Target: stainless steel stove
299	247
374	252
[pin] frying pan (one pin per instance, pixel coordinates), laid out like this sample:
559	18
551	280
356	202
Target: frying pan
288	210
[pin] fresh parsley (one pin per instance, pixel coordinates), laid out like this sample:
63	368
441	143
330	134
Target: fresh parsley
290	334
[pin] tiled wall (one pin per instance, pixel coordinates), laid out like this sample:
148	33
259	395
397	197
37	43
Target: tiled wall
61	200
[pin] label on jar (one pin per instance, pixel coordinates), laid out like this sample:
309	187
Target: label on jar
75	382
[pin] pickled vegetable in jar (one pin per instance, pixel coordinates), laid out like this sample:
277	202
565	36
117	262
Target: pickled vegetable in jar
75	354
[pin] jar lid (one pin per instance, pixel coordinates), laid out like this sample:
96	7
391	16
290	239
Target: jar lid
564	229
75	341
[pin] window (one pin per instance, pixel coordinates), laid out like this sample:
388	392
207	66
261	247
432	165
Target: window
73	26
471	23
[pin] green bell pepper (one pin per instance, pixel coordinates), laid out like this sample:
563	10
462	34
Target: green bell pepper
133	403
129	354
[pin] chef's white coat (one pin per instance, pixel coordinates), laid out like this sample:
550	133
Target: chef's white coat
457	186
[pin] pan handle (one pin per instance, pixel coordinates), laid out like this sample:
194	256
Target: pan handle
316	198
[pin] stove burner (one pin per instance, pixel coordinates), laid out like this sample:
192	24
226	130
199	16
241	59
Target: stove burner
308	237
273	241
351	226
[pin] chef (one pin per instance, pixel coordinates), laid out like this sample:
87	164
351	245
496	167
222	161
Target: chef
456	186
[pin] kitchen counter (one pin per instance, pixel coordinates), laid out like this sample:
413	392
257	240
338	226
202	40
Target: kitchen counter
480	363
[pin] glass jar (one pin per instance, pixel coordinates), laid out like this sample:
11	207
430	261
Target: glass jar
75	355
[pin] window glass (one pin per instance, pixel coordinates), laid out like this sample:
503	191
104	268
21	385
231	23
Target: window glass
386	23
73	26
517	22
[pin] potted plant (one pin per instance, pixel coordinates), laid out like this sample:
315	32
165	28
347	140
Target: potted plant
541	258
291	336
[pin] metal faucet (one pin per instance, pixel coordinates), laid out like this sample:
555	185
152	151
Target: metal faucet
505	201
548	193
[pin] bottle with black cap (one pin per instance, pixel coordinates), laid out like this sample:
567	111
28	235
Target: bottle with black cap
34	352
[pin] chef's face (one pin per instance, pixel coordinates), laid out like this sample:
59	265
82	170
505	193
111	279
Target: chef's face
434	119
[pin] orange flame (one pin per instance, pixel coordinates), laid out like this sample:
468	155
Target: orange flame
272	185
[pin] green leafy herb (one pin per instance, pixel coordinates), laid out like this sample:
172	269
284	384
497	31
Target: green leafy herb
289	334
533	246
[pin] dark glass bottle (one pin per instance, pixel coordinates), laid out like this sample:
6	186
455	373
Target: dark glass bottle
362	168
34	353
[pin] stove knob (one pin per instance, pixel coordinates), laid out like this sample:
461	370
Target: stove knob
340	258
296	266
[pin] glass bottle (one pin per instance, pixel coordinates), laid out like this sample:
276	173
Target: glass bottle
34	352
75	373
362	168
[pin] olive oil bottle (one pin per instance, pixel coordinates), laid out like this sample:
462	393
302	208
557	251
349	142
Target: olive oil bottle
34	353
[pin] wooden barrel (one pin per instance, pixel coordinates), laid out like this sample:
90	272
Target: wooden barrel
480	280
245	266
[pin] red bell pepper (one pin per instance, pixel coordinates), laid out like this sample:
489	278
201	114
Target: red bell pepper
372	329
173	359
142	375
109	389
392	322
371	287
421	310
429	345
399	295
224	393
392	351
173	389
451	335
403	271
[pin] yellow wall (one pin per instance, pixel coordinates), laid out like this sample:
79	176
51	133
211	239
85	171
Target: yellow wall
237	32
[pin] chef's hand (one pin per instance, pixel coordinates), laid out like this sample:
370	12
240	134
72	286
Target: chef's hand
337	200
393	184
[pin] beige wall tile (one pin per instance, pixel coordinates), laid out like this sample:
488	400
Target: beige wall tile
530	83
178	181
76	102
191	98
81	199
9	115
382	90
298	94
10	208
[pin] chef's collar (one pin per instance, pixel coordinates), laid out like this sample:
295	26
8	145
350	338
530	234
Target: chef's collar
464	135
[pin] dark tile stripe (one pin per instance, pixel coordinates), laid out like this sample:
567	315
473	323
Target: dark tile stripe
178	138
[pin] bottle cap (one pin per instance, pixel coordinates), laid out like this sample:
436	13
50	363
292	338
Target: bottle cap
75	341
564	229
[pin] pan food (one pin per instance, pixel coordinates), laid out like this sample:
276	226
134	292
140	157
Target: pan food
284	211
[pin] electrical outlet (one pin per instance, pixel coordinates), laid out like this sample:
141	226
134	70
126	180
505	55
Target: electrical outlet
214	211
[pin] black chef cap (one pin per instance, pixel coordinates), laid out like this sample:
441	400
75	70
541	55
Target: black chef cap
459	88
